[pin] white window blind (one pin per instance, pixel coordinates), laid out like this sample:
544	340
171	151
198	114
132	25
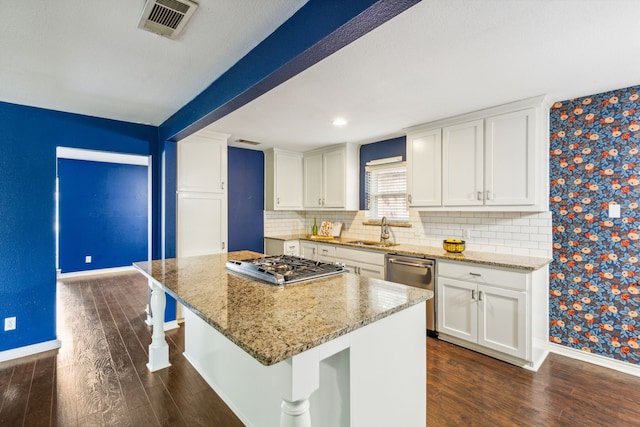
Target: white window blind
386	189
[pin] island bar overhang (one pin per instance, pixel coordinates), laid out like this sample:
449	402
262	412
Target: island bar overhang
343	350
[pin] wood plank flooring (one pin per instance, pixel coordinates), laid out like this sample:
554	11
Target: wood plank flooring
99	377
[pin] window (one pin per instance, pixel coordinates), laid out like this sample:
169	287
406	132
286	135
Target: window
386	189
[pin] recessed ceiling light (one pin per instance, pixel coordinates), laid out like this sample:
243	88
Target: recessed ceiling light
340	121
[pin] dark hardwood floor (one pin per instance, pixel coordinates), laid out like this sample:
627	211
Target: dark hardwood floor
99	377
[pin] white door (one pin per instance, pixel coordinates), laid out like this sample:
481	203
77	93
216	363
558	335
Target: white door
334	179
510	159
462	164
288	170
201	223
502	320
457	308
312	181
424	168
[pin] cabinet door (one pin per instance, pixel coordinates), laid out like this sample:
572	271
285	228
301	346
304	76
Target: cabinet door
202	164
457	308
510	158
333	179
201	224
309	250
312	181
502	320
462	164
424	168
288	180
273	246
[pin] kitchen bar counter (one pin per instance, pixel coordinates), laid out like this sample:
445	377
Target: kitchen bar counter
273	323
487	258
341	350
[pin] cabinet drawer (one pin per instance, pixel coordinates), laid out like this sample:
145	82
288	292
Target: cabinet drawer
369	257
291	247
504	278
326	251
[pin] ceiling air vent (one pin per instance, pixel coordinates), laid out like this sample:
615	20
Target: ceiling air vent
166	17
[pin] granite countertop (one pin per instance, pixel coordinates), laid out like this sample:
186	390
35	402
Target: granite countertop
487	258
273	323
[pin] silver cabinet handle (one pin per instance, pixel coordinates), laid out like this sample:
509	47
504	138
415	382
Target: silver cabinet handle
222	245
475	274
409	198
319	202
479	195
488	195
480	296
222	185
473	294
313	251
277	200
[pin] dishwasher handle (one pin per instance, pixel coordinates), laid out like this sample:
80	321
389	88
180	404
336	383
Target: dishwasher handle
410	264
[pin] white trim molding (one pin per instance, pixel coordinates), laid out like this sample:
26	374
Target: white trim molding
95	272
596	359
101	156
29	350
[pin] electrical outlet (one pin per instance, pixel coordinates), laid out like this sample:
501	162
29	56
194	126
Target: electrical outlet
87	259
9	323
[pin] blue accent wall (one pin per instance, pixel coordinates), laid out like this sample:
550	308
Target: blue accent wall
379	150
27	206
246	199
103	214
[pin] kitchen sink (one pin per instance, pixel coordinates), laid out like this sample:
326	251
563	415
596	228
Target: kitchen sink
372	243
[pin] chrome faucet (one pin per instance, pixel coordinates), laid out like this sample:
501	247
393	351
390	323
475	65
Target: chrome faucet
384	229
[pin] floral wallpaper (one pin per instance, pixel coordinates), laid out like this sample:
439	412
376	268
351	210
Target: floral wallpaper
594	285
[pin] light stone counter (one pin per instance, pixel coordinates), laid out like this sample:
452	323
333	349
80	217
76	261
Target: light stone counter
273	323
486	258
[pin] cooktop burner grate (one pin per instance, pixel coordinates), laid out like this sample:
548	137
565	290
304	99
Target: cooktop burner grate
284	269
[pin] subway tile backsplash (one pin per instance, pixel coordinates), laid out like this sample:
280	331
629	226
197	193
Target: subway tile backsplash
517	233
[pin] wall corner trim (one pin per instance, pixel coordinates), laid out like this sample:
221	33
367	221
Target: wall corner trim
29	350
606	362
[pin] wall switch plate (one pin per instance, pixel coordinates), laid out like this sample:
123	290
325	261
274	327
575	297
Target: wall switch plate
87	259
9	323
614	211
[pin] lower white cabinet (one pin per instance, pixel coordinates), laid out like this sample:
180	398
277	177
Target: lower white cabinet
497	311
281	247
361	262
309	250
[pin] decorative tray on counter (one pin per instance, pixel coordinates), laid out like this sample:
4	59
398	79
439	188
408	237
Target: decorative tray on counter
319	237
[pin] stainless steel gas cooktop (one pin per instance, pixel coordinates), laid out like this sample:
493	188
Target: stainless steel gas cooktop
284	269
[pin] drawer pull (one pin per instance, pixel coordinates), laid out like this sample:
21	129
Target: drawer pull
476	274
480	296
473	294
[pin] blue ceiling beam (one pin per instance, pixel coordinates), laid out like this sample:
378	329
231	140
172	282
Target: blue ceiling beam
315	31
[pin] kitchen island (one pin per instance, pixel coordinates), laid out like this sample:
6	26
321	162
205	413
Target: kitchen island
339	350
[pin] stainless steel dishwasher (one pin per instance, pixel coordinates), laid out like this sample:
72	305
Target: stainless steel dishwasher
418	272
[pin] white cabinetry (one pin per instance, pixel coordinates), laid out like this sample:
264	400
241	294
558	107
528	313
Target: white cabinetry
424	182
202	194
493	159
361	262
280	247
283	180
501	312
331	178
309	250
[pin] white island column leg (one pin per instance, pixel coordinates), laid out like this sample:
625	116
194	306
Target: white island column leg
158	349
296	379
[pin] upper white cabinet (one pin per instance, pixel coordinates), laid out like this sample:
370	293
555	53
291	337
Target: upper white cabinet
331	178
493	159
202	163
462	164
283	180
424	183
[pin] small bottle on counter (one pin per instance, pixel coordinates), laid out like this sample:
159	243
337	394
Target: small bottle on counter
314	229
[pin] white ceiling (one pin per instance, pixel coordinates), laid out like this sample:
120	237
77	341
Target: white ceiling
445	57
89	57
437	59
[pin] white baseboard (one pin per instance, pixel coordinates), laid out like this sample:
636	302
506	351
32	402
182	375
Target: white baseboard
95	272
29	350
596	359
